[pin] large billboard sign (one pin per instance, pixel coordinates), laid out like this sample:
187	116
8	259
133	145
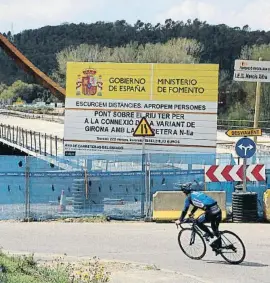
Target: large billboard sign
106	101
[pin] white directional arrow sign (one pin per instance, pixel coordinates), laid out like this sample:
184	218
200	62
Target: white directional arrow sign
245	148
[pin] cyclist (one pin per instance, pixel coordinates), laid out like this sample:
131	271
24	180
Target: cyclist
212	213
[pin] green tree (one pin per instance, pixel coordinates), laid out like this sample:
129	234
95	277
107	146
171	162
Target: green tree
2	87
22	91
81	53
231	93
180	50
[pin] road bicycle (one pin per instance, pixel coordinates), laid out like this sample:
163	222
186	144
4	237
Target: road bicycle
192	238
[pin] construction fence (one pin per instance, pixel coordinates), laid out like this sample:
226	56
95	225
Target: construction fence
120	187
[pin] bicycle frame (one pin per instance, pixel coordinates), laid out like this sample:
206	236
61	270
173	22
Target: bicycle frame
194	226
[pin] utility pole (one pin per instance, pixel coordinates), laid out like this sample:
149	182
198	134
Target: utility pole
257	106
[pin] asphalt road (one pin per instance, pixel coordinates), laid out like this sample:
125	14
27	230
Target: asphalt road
147	243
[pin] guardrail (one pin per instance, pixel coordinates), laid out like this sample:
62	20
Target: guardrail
34	141
24	115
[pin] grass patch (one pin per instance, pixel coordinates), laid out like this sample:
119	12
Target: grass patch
24	269
151	267
66	219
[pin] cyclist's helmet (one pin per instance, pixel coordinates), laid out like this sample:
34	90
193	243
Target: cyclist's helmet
186	188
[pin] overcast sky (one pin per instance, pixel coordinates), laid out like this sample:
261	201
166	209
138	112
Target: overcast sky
31	14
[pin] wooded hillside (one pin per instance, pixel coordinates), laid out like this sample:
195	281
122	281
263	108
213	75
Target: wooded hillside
218	44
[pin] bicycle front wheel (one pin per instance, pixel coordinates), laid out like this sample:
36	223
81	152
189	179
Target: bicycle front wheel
232	248
192	243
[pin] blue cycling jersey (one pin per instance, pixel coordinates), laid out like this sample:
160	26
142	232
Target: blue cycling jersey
200	200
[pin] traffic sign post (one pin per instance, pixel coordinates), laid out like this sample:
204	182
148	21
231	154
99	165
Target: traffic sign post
257	103
253	71
144	130
245	148
245	175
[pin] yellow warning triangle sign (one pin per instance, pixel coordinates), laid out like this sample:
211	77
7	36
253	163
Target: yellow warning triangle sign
143	129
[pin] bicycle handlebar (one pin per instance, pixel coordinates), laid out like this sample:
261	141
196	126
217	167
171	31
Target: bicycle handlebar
179	225
191	219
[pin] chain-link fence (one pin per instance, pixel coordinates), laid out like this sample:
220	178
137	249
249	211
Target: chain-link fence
31	187
120	187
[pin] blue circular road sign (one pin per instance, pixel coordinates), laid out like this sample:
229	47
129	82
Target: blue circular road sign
245	148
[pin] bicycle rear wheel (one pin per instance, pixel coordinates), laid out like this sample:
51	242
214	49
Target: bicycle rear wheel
192	243
232	248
